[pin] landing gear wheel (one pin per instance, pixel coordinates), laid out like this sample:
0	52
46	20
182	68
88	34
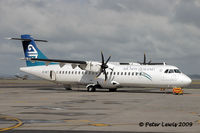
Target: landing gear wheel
68	88
91	89
112	90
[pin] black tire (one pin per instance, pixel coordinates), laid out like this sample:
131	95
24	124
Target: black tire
112	90
68	88
88	89
91	89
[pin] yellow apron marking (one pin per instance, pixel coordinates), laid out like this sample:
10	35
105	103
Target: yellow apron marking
77	121
12	119
100	125
194	113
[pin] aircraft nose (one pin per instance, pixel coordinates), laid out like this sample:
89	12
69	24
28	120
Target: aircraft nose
187	80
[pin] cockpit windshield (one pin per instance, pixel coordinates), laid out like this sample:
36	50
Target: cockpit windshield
172	71
177	71
166	71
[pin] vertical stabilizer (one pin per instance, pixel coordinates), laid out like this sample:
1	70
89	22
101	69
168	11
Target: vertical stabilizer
31	50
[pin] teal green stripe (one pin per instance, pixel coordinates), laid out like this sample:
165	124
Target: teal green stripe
147	76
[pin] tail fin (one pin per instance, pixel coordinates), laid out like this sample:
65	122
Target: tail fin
31	50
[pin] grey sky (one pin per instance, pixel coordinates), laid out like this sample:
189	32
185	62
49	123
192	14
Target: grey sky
166	30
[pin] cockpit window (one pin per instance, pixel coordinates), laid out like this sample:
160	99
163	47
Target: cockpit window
166	71
177	71
171	71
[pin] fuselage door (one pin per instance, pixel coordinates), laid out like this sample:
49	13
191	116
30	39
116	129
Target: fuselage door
52	75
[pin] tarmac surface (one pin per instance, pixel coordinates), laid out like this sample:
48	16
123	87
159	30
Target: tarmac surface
38	106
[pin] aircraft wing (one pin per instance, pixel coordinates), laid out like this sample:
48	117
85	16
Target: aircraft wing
59	61
74	63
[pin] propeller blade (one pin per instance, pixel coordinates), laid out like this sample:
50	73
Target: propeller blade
108	59
149	62
144	59
104	71
99	73
111	69
102	58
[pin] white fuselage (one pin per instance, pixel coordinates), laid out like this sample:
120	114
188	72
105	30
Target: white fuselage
120	76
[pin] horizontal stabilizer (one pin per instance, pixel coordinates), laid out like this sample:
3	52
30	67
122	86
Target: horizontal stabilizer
23	39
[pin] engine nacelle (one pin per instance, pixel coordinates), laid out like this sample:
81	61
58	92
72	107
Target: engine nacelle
93	66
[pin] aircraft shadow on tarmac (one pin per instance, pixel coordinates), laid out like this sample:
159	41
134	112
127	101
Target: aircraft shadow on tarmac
141	90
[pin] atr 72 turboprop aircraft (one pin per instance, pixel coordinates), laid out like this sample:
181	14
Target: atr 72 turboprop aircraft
97	75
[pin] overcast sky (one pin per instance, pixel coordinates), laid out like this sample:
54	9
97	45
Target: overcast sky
166	30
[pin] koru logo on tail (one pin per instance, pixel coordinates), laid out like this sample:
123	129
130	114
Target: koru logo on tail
31	51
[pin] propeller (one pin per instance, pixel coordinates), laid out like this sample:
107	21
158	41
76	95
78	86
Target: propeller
145	62
150	63
104	66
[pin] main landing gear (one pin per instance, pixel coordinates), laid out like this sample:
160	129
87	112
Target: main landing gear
67	87
112	90
91	89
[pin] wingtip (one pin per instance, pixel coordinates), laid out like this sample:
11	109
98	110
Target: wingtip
8	38
22	58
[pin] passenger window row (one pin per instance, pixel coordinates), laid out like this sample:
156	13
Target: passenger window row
95	73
